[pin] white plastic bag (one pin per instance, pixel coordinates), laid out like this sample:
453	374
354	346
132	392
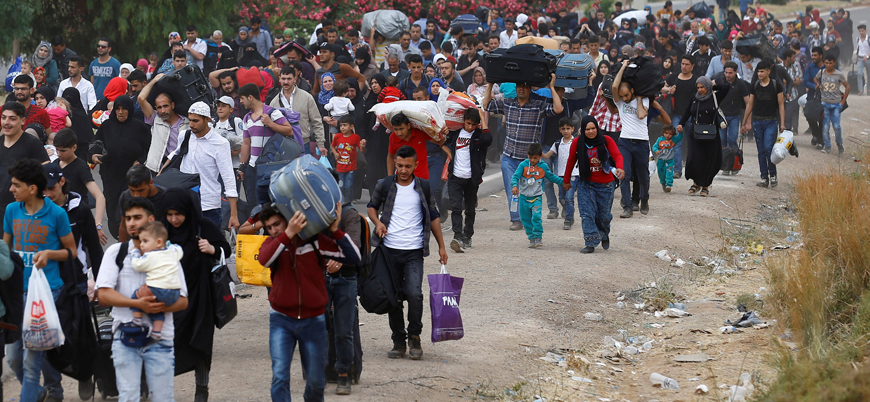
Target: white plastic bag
41	328
425	116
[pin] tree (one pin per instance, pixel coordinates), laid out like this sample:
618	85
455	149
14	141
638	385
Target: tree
16	19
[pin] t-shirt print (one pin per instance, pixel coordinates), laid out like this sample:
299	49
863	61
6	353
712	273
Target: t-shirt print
532	174
594	162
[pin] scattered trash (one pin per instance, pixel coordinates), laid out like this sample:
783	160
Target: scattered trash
679	263
639	306
552	358
681	306
638	339
659	380
672	312
539	399
582	379
700	331
663	255
552	301
510	392
696	379
738	393
761	326
702	389
593	317
730	330
484	209
747	320
495	196
648	345
620	305
756	248
630	350
695	358
610	342
781	246
620	298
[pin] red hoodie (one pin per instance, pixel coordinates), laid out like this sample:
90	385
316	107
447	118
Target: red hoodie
298	269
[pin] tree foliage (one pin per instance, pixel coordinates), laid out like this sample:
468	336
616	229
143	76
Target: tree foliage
16	20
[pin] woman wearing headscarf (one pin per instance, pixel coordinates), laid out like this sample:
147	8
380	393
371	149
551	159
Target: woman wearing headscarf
43	57
251	57
202	242
242	40
327	91
478	85
594	155
81	121
704	157
364	63
600	71
377	140
125	141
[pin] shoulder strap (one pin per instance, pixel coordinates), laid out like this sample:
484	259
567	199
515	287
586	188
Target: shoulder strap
185	145
122	253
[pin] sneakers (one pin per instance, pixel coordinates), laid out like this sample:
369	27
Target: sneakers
626	213
667	189
677	175
587	250
773	181
763	183
86	389
644	207
567	225
635	206
535	243
840	149
605	243
516	225
456	246
415	350
343	387
466	243
826	150
553	215
663	187
398	350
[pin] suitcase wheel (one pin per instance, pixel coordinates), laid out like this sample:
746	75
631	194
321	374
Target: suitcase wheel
176	77
201	88
189	69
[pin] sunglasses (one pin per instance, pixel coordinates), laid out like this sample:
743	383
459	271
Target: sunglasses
102	46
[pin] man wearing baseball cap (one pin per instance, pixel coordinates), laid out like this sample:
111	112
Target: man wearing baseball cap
208	155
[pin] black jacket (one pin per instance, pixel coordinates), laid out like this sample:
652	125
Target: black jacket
480	141
84	231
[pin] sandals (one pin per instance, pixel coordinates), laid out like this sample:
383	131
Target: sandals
704	192
694	189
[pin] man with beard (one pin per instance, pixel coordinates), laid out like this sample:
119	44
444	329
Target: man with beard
104	68
85	88
62	55
165	125
224	83
328	53
22	88
293	97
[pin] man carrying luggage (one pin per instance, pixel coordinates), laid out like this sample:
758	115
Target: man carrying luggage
524	118
298	297
165	125
115	284
407	216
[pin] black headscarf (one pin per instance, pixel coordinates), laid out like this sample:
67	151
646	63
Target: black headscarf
584	143
194	326
124	141
81	123
363	53
251	55
46	93
598	77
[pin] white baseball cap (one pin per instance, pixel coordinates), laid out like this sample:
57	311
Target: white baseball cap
201	109
227	101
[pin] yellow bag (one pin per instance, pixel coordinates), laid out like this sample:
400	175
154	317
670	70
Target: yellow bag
249	269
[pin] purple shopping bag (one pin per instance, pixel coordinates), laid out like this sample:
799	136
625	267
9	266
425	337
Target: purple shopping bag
444	292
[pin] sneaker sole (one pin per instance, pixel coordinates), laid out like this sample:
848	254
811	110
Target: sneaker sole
456	247
342	392
416	357
396	357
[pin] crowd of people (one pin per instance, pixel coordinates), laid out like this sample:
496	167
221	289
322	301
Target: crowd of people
66	117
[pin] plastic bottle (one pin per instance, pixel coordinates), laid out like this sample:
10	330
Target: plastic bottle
515	201
665	382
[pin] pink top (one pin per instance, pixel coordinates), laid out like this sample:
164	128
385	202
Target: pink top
58	117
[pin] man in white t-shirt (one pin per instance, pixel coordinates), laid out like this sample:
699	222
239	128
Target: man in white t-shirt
115	284
633	142
407	215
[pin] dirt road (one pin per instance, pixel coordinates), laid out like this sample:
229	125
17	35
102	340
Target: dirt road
518	303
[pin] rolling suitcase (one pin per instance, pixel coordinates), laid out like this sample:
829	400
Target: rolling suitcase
186	86
732	158
527	64
853	78
306	186
574	70
469	23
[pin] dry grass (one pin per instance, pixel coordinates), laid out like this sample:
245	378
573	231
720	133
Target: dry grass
820	292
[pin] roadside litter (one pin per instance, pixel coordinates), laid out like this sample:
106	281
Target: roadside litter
746	320
659	380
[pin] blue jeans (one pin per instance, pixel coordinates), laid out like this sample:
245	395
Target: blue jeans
863	67
159	360
635	154
345	182
407	271
213	215
508	168
832	117
342	298
568	196
436	166
765	137
729	134
594	201
27	364
310	333
165	296
552	201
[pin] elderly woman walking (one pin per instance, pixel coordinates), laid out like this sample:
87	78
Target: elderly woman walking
704	158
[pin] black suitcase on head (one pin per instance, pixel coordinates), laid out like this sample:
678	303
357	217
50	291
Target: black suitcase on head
522	64
186	86
756	45
644	76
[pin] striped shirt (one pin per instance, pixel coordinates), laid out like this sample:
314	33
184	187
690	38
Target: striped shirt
258	132
523	123
606	121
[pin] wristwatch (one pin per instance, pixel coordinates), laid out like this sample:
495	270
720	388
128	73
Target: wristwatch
99	226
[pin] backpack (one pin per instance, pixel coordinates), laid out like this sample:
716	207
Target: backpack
171	176
11	291
292	117
276	153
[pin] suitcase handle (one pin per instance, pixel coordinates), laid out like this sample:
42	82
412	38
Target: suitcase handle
511	66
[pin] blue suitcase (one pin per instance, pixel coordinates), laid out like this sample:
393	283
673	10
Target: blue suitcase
574	70
307	186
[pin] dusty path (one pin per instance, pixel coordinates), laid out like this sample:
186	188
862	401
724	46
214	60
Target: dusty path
505	306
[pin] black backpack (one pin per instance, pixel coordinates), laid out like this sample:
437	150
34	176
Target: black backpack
11	293
75	357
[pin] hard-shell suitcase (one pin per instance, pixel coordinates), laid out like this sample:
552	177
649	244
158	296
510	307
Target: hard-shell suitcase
546	43
853	78
306	186
574	70
186	86
469	23
527	64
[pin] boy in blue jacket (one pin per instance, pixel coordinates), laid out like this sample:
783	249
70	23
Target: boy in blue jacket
527	182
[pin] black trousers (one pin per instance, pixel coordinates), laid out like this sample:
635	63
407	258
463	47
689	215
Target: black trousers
463	195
